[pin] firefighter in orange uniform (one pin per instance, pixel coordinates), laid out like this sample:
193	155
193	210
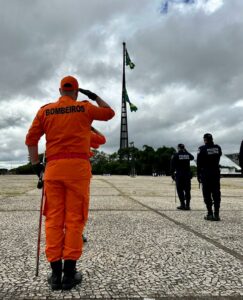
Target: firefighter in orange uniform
66	124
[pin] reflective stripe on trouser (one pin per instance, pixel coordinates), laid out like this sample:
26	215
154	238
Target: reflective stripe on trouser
66	211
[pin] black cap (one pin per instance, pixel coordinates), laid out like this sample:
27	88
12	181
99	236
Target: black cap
181	146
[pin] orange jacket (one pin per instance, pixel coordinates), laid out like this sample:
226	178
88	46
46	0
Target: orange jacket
67	125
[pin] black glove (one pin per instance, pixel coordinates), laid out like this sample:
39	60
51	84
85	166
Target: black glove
88	93
38	169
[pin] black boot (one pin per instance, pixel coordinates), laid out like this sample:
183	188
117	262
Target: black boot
209	216
71	276
182	206
216	216
55	278
187	207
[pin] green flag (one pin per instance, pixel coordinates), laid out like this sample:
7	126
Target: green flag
132	106
128	61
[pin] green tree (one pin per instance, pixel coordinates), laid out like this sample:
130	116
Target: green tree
163	158
146	160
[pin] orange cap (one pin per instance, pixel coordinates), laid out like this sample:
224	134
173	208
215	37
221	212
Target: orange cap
69	83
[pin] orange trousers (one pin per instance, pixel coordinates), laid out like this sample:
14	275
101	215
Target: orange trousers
66	211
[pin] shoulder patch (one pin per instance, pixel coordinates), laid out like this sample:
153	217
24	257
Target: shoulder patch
184	157
213	151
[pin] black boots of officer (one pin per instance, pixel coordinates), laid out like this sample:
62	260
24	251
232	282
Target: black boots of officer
181	207
209	217
187	207
216	217
184	206
55	278
71	276
212	216
216	211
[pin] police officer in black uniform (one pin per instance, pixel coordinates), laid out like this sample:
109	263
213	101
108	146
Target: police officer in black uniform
181	173
208	173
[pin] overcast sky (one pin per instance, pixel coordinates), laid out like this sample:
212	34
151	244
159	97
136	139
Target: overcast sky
188	78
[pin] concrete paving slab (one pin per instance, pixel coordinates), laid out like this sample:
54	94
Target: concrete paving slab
228	232
15	185
138	246
113	203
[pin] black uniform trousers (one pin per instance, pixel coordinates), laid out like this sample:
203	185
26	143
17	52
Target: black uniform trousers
183	186
211	192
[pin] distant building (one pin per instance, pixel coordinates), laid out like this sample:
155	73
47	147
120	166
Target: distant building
234	157
228	166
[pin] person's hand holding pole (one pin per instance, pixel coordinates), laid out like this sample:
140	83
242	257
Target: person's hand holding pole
37	166
40	182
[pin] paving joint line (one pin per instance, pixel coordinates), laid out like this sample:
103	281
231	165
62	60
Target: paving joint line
182	225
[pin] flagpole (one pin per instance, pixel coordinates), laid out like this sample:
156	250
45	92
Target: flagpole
124	127
123	73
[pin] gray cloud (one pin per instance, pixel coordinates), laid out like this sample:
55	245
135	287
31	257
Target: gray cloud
187	78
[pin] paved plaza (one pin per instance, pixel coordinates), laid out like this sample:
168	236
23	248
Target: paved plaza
138	246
